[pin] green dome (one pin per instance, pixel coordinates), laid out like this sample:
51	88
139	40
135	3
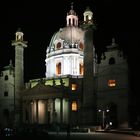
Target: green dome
69	34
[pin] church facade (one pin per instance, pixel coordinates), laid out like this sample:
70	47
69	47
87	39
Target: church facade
76	89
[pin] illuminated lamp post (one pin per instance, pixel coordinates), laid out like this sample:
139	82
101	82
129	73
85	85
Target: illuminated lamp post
103	116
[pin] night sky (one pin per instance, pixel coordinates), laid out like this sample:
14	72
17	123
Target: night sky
40	20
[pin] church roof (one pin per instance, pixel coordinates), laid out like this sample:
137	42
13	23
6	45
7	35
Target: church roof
43	90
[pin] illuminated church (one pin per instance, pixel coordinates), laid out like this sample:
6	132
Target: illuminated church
76	89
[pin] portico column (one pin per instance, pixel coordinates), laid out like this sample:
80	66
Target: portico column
54	104
53	111
37	111
46	115
69	111
61	110
26	112
30	111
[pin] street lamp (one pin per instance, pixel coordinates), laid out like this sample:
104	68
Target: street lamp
103	116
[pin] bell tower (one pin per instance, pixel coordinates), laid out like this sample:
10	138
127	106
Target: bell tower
19	45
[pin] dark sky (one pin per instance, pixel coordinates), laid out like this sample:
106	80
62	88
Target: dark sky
39	21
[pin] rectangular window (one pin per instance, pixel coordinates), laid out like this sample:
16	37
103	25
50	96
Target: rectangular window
111	83
74	106
5	93
58	68
73	87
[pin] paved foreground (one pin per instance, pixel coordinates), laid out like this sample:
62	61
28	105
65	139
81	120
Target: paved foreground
92	136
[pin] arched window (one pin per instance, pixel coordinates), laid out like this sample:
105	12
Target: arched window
69	22
58	68
58	45
6	77
86	17
111	61
81	67
73	21
81	46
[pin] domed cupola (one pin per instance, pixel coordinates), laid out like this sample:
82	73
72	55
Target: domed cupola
64	55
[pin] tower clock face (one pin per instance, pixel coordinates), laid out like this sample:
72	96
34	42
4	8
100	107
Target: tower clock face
58	46
81	46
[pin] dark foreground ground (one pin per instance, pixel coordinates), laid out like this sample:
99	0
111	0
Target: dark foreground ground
38	132
80	136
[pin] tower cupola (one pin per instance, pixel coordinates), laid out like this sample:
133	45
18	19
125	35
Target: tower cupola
88	16
19	35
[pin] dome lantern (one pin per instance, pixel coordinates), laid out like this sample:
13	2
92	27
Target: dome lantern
72	18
